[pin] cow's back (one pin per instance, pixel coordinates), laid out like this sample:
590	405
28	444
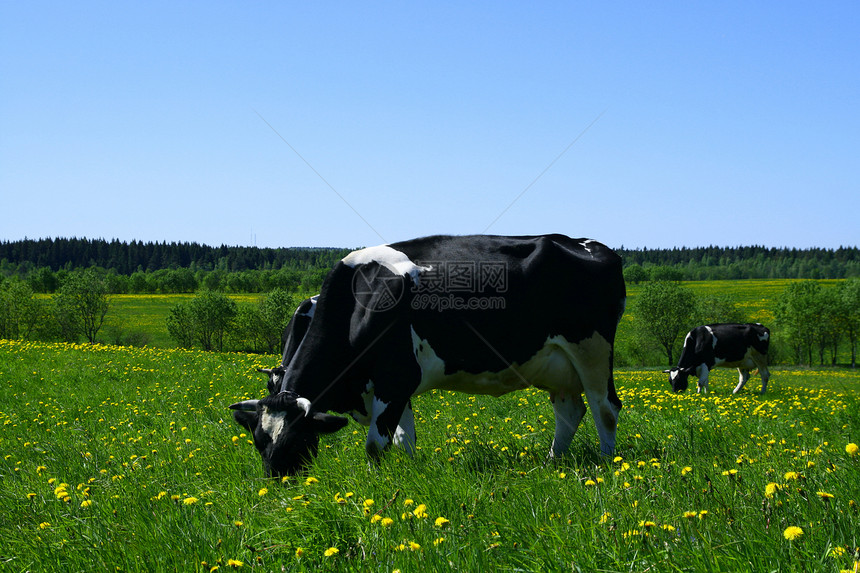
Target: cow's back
554	285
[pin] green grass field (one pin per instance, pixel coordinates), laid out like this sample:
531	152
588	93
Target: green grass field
126	459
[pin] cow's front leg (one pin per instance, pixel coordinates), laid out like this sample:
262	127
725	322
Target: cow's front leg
569	409
385	419
702	371
743	377
404	435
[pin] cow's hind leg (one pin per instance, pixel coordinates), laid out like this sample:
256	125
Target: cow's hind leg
569	409
592	358
761	362
743	377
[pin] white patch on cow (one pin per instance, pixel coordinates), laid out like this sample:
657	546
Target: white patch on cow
551	367
713	336
313	308
392	259
565	369
584	244
367	398
764	336
376	442
688	339
404	436
272	423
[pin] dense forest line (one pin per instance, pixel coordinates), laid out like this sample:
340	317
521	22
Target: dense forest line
126	258
184	267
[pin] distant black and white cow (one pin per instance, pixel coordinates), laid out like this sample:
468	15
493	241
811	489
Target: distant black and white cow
477	314
741	346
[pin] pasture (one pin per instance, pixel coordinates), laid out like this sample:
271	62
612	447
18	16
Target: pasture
140	319
127	459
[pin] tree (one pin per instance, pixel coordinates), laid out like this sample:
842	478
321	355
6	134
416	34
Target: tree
180	325
717	308
206	319
276	311
798	316
664	311
84	297
20	311
830	324
635	274
849	294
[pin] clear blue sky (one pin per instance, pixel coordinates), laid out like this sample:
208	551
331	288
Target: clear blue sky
352	124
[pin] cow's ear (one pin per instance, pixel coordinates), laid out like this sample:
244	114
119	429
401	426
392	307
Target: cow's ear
247	420
327	423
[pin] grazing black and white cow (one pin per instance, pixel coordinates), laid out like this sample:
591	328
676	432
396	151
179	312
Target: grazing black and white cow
477	314
741	346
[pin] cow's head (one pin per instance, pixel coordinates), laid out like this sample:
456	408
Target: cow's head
285	429
678	378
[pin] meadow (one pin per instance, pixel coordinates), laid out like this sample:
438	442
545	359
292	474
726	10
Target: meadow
140	318
127	459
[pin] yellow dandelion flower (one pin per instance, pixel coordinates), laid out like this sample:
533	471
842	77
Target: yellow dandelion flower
31	495
703	514
311	480
793	532
771	489
824	495
690	514
791	475
407	502
605	517
299	551
852	449
86	503
414	546
375	518
235	563
263	491
44	525
189	500
648	524
238	523
368	503
331	551
386	521
420	511
590	483
441	522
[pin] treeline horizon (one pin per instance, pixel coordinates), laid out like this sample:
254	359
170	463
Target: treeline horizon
37	260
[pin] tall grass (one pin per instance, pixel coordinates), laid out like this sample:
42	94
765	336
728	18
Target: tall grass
127	459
